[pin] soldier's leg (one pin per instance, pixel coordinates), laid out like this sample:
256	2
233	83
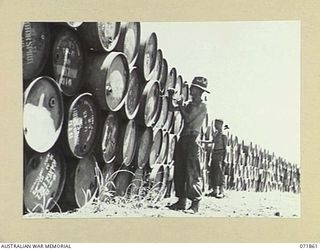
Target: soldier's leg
221	179
179	177
234	179
193	176
226	181
259	184
180	171
194	180
265	188
211	174
216	173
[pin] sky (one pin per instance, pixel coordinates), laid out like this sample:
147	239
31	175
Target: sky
253	72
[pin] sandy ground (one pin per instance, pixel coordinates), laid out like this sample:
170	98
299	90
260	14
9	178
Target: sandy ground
235	204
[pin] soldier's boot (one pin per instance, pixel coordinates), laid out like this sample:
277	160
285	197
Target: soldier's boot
194	208
221	193
216	191
179	205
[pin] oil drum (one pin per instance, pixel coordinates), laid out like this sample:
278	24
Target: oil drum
144	143
68	61
110	137
138	182
156	147
156	177
169	121
208	132
156	74
43	113
164	148
171	172
149	104
185	92
170	182
44	180
164	108
204	127
127	142
165	181
163	75
177	123
171	80
81	125
129	41
178	89
147	55
235	151
123	180
132	101
85	180
81	183
171	147
107	77
157	113
35	48
100	36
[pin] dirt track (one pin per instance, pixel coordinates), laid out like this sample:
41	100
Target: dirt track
235	204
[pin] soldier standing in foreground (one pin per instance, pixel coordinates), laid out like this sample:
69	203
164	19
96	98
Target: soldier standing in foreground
187	175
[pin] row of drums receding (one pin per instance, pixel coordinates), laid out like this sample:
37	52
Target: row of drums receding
52	181
76	55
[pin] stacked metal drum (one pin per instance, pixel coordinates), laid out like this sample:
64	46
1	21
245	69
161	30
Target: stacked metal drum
95	110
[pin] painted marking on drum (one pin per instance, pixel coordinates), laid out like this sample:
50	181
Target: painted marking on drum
65	59
75	125
89	119
28	43
147	64
44	181
71	73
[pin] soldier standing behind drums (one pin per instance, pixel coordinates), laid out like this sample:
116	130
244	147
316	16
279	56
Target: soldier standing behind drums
217	160
187	175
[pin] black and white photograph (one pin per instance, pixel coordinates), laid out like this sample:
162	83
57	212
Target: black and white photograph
161	119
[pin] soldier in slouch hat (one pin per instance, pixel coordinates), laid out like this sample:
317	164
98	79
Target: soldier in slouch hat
187	175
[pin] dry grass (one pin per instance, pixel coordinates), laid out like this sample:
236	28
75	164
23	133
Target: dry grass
104	198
